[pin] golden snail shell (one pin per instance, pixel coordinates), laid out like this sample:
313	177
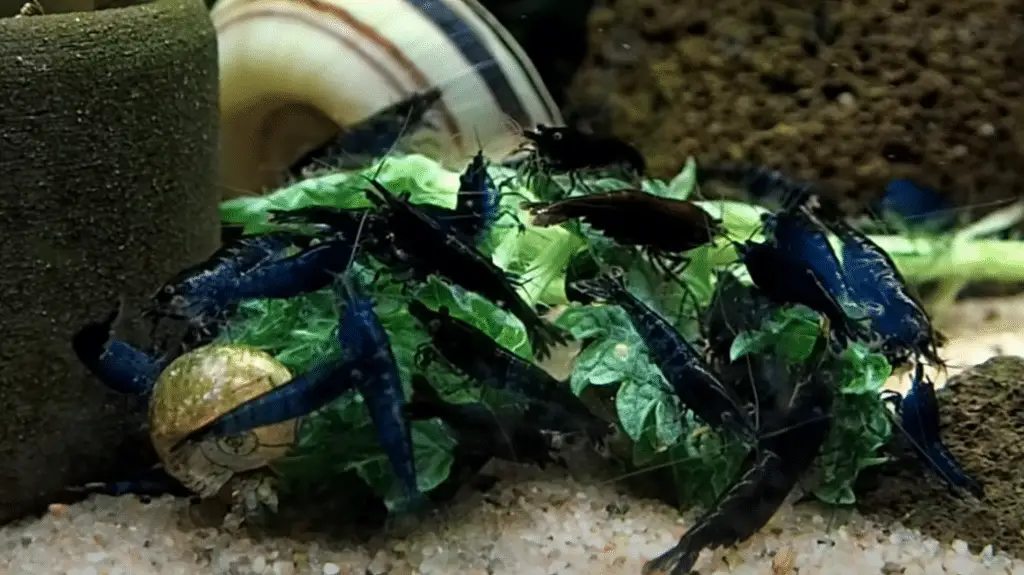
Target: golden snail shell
294	71
200	386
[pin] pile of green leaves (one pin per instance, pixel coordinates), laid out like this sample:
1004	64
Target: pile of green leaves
339	440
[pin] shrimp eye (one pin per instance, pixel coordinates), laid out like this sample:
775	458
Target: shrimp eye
557	136
169	289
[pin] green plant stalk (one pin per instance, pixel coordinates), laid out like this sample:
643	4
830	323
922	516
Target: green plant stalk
979	260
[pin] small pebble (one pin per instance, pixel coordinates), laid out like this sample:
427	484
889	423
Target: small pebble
960	547
58	510
331	569
784	561
283	568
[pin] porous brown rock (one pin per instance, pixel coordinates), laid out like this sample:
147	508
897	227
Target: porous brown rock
982	419
923	89
107	171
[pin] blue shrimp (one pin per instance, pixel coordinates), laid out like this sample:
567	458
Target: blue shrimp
366	346
203	292
690	377
896	317
918	414
797	265
366	363
371	138
127	370
917	206
326	381
477	204
308	271
116	363
771	188
785	451
148	483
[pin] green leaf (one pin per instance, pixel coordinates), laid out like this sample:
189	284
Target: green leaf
669	418
634	403
745	343
585	322
614	351
599	364
864	372
797	338
682	186
792	331
838	495
604	375
501	326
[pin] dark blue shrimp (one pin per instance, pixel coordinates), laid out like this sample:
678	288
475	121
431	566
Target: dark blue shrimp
375	136
128	370
366	346
786	448
918	414
917	206
797	232
683	367
419	242
375	237
366	363
797	265
477	204
476	355
312	269
874	284
150	482
117	364
202	293
562	149
300	396
734	308
772	188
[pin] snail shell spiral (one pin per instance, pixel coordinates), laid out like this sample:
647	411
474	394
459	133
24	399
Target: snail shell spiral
295	72
200	386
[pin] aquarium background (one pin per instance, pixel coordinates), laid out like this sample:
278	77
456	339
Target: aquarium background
850	93
853	92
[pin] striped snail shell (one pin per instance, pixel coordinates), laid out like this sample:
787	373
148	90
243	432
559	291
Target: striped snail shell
296	72
197	388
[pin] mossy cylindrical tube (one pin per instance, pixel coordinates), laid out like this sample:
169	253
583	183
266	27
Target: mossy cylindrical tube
108	131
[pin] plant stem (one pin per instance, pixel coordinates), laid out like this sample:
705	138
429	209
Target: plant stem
977	260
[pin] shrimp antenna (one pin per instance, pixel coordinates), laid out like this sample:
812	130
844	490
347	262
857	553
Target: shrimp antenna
373	181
